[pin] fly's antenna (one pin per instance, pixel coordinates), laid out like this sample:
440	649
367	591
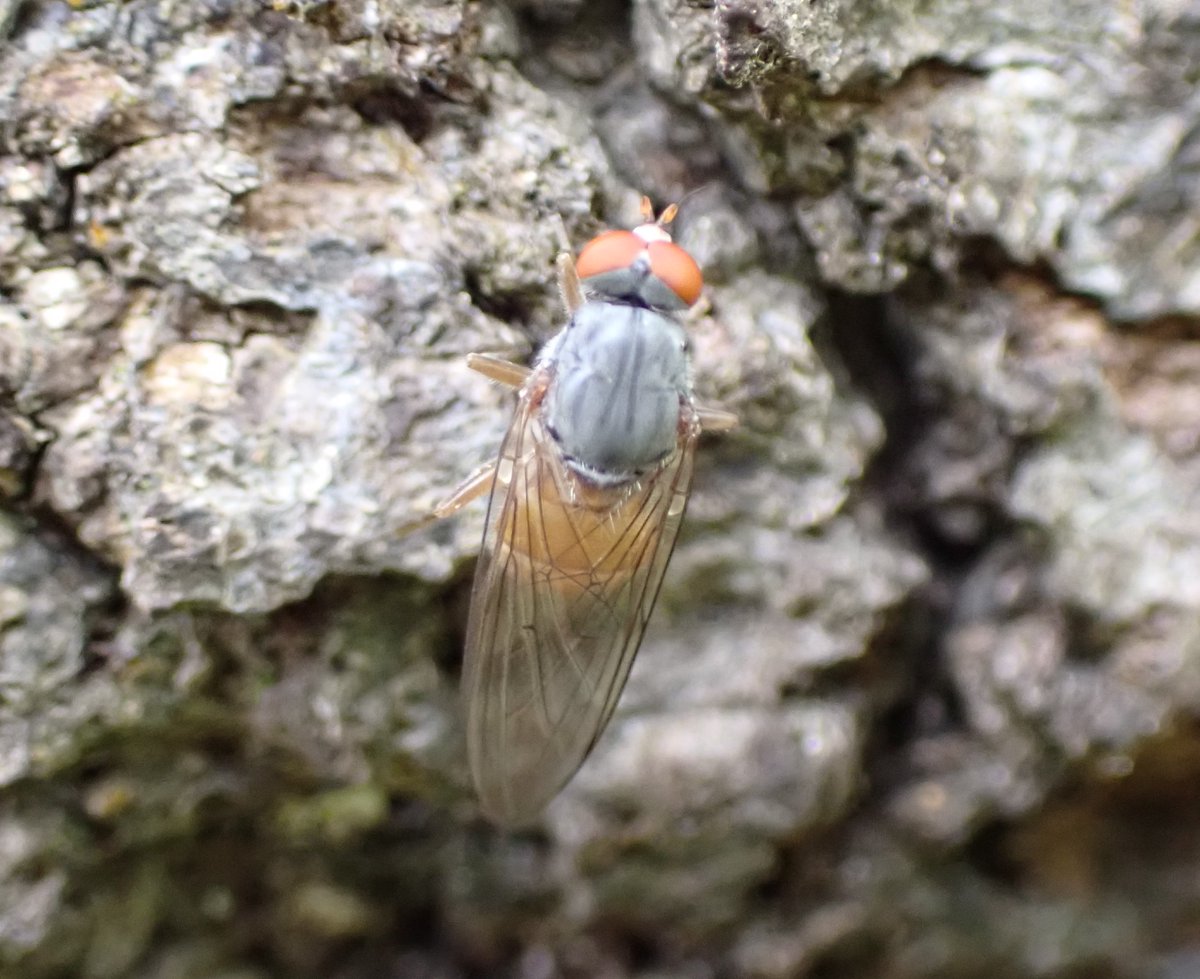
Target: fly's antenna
665	218
671	210
647	210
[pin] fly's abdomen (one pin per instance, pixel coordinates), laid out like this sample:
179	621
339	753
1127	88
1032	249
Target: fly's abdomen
570	533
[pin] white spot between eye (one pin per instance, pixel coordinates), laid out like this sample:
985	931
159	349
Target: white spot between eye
651	233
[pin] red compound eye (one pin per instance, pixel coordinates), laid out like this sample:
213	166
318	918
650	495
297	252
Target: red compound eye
608	252
676	269
616	251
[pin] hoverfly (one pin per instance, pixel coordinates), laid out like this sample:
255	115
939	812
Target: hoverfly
587	496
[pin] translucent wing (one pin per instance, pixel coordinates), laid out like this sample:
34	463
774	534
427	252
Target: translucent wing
565	585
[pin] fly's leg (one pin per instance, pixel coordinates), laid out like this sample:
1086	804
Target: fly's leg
568	283
502	371
469	490
716	419
700	309
568	279
481	480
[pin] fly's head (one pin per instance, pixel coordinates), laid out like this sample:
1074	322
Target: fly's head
643	266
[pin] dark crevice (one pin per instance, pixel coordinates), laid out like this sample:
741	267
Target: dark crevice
382	105
877	360
878	356
61	535
20	19
66	213
1088	641
588	42
102	622
989	854
511	308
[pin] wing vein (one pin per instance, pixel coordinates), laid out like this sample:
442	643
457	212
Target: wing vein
564	591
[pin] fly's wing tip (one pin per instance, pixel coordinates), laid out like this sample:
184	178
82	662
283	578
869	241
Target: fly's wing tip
507	808
513	792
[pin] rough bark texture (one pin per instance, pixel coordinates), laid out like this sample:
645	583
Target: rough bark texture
921	696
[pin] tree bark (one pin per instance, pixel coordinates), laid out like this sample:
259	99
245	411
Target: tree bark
920	698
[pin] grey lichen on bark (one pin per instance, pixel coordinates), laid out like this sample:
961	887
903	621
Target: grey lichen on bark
920	697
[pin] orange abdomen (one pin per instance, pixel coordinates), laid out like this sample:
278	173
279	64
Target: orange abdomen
573	531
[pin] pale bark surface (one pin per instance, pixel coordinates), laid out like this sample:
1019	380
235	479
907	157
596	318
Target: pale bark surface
921	696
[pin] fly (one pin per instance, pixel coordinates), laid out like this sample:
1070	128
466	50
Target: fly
586	498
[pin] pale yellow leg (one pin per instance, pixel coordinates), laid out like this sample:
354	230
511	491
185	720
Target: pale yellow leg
469	490
480	481
699	309
716	419
568	279
502	371
568	283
